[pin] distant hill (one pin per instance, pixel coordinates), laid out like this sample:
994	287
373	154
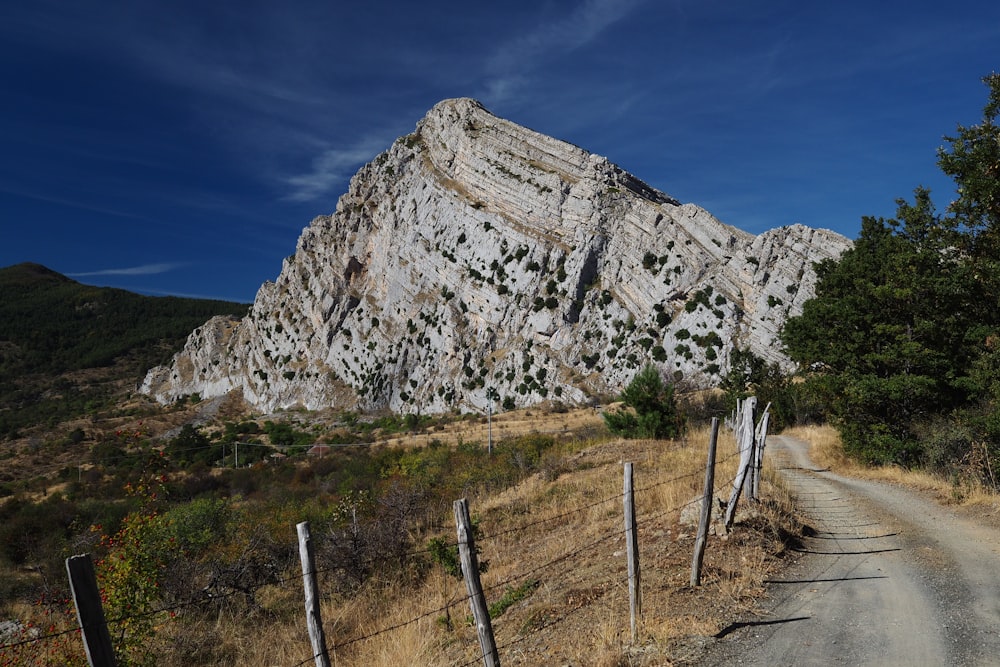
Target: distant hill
51	326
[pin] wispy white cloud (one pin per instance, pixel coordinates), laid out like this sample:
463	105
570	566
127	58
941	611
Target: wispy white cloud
508	64
143	270
64	201
332	167
576	30
149	291
502	88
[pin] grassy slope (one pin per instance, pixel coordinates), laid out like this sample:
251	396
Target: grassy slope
555	538
65	346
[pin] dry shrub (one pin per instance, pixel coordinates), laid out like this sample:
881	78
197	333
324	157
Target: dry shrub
562	528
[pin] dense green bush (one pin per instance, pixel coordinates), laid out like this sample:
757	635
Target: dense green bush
651	409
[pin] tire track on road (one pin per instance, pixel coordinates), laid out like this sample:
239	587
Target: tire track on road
885	577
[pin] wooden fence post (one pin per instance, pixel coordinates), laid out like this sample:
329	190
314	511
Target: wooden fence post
760	437
89	612
706	506
632	554
744	436
749	441
470	571
314	619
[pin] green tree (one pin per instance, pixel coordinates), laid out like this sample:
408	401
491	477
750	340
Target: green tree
191	445
748	375
972	160
887	331
652	409
283	435
746	371
903	330
900	326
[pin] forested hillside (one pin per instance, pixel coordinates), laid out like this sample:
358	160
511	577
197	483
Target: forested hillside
51	326
902	341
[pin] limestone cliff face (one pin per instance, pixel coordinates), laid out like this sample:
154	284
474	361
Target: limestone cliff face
477	256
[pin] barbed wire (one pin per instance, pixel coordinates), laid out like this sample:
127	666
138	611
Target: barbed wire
524	637
35	640
485	539
558	559
526	576
191	602
538	522
386	629
280	581
596	503
522	576
540	628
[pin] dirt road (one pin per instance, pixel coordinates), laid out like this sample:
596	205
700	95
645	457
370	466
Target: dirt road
889	578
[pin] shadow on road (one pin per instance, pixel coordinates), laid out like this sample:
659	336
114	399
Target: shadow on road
844	553
819	581
752	624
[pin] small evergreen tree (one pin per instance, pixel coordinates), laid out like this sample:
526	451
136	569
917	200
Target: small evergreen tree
750	374
653	409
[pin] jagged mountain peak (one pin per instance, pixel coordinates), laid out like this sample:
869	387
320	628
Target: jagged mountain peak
452	125
477	258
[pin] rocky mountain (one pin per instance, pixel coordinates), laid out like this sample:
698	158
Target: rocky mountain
477	258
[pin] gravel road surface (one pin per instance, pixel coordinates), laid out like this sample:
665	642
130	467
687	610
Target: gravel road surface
889	577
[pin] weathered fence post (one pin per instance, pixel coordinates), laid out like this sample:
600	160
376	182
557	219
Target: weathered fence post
706	507
750	483
744	436
470	570
632	554
314	619
760	436
89	612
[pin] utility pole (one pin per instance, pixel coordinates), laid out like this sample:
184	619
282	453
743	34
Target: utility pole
489	422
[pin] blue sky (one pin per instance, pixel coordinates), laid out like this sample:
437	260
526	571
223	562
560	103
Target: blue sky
180	147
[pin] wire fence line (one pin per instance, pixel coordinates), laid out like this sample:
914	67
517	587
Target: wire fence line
616	497
528	575
296	579
525	576
206	598
534	631
521	577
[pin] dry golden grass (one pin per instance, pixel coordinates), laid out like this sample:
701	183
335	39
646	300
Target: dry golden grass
559	537
509	424
827	450
825	447
568	534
